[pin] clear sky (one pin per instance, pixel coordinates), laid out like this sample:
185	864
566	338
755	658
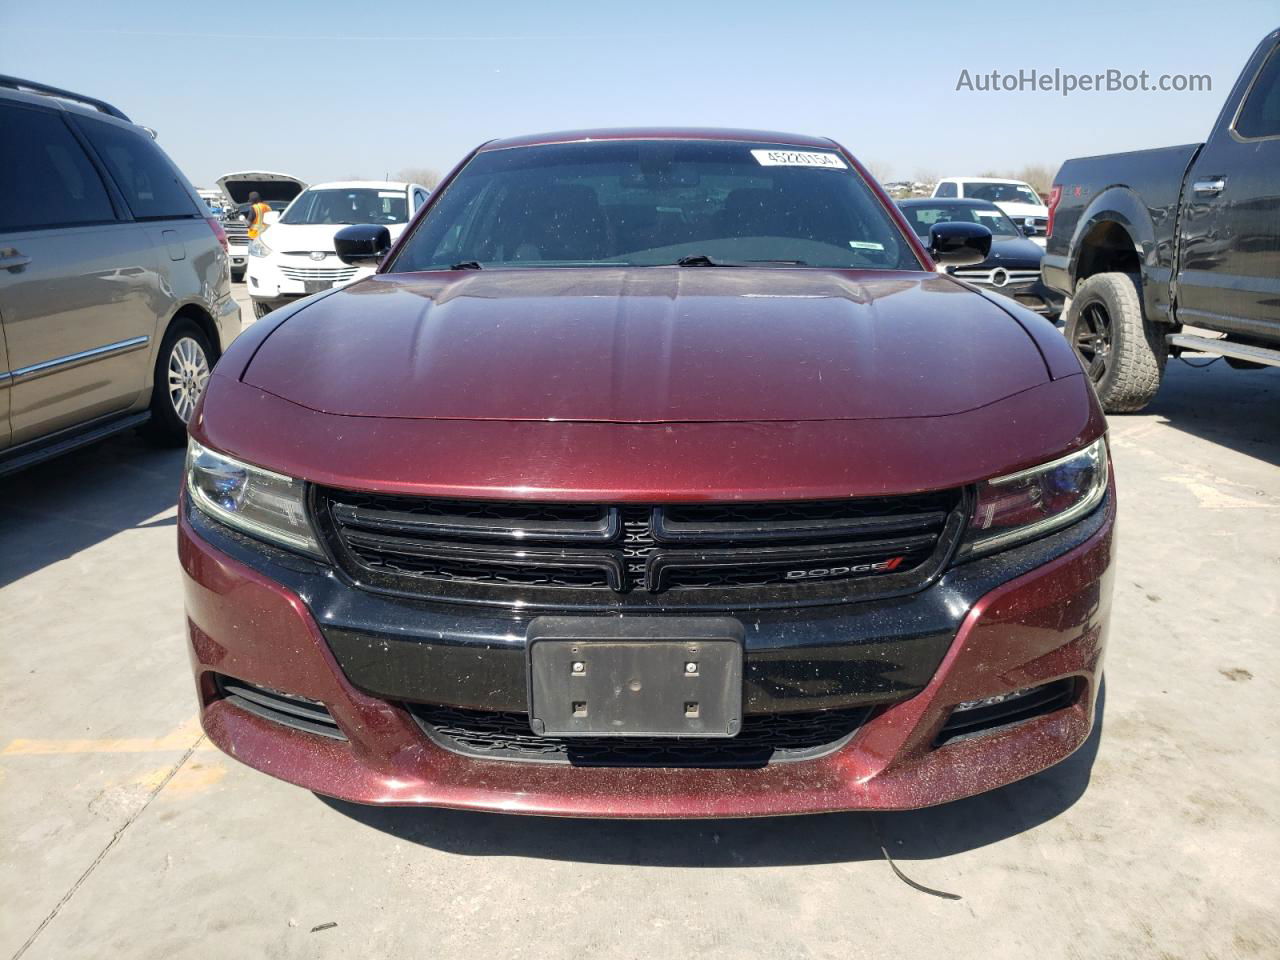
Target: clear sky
324	90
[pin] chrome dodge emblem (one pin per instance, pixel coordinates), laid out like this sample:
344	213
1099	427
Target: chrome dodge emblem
317	254
998	276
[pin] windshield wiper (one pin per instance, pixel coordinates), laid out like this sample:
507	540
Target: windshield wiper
702	260
467	265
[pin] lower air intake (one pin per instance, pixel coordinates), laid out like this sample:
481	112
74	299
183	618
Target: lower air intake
764	739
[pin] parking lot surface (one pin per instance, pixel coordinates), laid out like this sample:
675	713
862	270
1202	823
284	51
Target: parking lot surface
123	833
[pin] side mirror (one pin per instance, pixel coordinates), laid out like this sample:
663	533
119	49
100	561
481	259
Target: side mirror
959	244
362	245
1029	229
270	217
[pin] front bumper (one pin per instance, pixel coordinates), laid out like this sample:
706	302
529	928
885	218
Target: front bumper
1034	295
281	277
1030	616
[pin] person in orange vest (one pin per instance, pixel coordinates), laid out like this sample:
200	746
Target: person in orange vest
257	210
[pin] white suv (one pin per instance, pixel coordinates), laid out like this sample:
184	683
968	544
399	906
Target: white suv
294	256
1017	199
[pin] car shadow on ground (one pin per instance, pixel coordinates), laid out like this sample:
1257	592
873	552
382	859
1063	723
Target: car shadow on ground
773	841
57	509
1237	409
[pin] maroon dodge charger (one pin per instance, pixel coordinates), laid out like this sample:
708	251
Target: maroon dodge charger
654	474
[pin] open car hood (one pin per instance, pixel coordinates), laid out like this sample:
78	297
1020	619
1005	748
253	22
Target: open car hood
272	187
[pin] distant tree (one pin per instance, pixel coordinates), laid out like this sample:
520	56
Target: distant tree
1038	175
881	171
927	177
423	175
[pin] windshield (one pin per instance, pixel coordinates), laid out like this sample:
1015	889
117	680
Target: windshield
923	217
1003	193
654	202
352	205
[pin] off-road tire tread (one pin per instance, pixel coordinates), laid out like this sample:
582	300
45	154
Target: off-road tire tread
1139	350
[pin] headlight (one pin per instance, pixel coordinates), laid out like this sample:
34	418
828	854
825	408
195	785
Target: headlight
263	504
258	249
1031	503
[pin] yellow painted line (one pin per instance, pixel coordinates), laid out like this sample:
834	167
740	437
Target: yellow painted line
179	739
1211	493
194	777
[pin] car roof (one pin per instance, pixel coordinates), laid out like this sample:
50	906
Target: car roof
985	180
41	94
950	201
660	133
353	184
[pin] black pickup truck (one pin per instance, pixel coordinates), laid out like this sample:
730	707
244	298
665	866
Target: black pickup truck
1148	241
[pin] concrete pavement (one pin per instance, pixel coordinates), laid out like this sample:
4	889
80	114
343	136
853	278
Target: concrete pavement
122	833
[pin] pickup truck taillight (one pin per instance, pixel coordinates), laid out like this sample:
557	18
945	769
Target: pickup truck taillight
1055	194
218	232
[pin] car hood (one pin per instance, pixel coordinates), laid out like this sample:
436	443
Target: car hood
272	187
649	345
305	237
1016	252
1015	210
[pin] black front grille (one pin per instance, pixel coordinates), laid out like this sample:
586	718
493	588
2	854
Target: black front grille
764	739
601	555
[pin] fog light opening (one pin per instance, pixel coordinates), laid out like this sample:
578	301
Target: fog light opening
986	715
286	709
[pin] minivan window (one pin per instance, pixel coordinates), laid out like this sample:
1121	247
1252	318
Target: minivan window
1260	115
348	205
654	202
152	186
46	179
946	190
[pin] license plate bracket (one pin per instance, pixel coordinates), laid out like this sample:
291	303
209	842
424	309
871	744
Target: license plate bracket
316	286
635	677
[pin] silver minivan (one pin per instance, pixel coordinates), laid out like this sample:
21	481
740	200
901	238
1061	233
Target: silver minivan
115	290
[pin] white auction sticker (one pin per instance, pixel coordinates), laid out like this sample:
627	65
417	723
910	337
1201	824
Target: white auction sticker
390	194
794	158
865	245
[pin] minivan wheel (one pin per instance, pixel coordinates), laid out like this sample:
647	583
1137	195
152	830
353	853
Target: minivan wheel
1121	353
182	370
260	309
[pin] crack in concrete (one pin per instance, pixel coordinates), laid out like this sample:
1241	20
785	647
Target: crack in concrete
115	837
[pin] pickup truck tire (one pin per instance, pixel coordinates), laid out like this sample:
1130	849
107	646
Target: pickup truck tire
1122	354
182	370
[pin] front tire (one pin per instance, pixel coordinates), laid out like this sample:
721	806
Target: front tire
1123	355
182	370
260	309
